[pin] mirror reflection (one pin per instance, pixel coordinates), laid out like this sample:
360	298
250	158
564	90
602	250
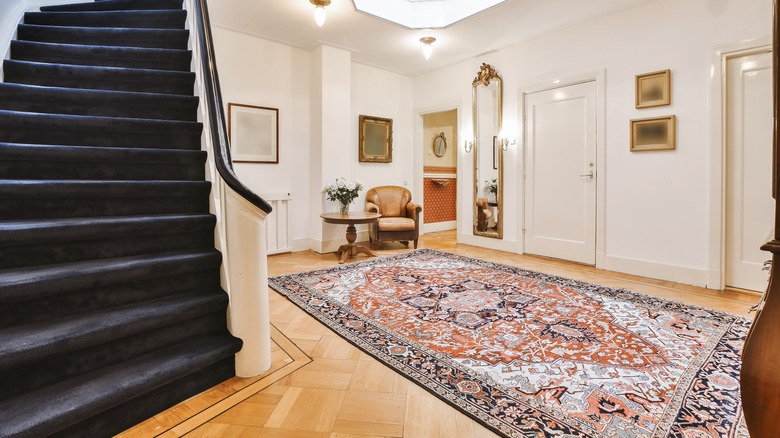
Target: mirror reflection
488	153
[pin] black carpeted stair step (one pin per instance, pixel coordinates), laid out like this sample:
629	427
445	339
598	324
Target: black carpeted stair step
64	366
35	128
162	19
27	199
200	277
75	101
46	162
98	78
104	56
46	242
40	341
23	284
40	373
116	5
107	36
90	394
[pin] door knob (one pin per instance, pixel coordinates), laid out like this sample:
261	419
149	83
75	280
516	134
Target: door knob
589	174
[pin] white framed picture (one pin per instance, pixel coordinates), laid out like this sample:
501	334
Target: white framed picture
254	133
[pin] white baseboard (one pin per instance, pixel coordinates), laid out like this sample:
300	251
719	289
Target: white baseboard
678	274
301	244
487	242
439	226
327	246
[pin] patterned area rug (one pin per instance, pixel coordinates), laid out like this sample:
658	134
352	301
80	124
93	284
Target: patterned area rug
534	355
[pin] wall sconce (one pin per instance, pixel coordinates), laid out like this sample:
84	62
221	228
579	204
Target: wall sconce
468	146
505	143
427	47
319	11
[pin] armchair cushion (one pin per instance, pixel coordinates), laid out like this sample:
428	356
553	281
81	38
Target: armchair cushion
395	224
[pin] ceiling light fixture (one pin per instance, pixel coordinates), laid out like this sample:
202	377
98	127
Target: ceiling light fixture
427	47
319	11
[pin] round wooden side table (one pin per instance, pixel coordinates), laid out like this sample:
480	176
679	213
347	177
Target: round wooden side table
351	249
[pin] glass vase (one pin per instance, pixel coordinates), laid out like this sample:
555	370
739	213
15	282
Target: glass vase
344	208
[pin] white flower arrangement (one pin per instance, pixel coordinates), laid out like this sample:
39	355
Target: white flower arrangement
343	191
492	187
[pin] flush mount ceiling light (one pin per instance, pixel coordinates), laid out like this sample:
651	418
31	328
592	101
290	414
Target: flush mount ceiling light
424	14
427	47
319	11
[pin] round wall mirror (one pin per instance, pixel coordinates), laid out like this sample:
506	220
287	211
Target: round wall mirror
440	145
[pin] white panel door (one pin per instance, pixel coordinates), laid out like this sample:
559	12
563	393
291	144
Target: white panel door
749	203
560	173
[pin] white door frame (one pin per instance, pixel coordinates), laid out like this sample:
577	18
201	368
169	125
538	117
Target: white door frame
716	252
601	150
418	191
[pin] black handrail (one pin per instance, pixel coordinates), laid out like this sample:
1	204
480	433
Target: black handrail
213	94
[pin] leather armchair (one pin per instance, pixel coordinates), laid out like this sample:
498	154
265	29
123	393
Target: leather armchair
400	219
483	214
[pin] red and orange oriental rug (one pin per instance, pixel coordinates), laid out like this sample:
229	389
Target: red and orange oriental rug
534	355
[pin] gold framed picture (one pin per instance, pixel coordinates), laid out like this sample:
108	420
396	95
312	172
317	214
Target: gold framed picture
375	142
653	134
654	89
253	132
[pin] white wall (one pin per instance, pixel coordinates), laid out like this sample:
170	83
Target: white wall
656	202
259	72
380	93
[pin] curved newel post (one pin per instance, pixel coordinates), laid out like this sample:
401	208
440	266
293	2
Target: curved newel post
241	213
248	312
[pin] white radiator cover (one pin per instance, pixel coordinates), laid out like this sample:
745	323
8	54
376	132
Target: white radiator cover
278	223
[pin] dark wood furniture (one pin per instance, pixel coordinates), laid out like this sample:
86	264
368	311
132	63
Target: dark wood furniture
351	219
400	219
760	373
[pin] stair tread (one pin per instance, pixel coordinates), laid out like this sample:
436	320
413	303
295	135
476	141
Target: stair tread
39	281
18	189
42	340
71	229
11	90
93	154
109	36
76	122
82	397
115	5
157	19
107	78
99	55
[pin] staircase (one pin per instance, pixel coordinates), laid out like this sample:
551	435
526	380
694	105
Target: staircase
111	308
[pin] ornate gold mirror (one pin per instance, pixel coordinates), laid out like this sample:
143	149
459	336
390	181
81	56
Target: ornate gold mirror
440	145
487	91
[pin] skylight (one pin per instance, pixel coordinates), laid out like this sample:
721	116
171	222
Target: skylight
424	14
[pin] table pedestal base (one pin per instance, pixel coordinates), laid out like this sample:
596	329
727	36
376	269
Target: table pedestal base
352	249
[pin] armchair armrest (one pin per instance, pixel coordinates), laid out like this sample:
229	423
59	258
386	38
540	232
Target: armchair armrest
370	206
413	211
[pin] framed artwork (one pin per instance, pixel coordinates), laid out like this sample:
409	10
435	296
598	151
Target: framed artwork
375	142
653	134
254	133
654	89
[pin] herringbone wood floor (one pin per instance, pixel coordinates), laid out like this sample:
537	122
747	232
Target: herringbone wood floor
320	386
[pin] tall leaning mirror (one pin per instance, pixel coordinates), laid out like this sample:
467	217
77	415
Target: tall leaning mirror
488	153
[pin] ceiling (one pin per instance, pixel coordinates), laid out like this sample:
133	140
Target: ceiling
383	44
